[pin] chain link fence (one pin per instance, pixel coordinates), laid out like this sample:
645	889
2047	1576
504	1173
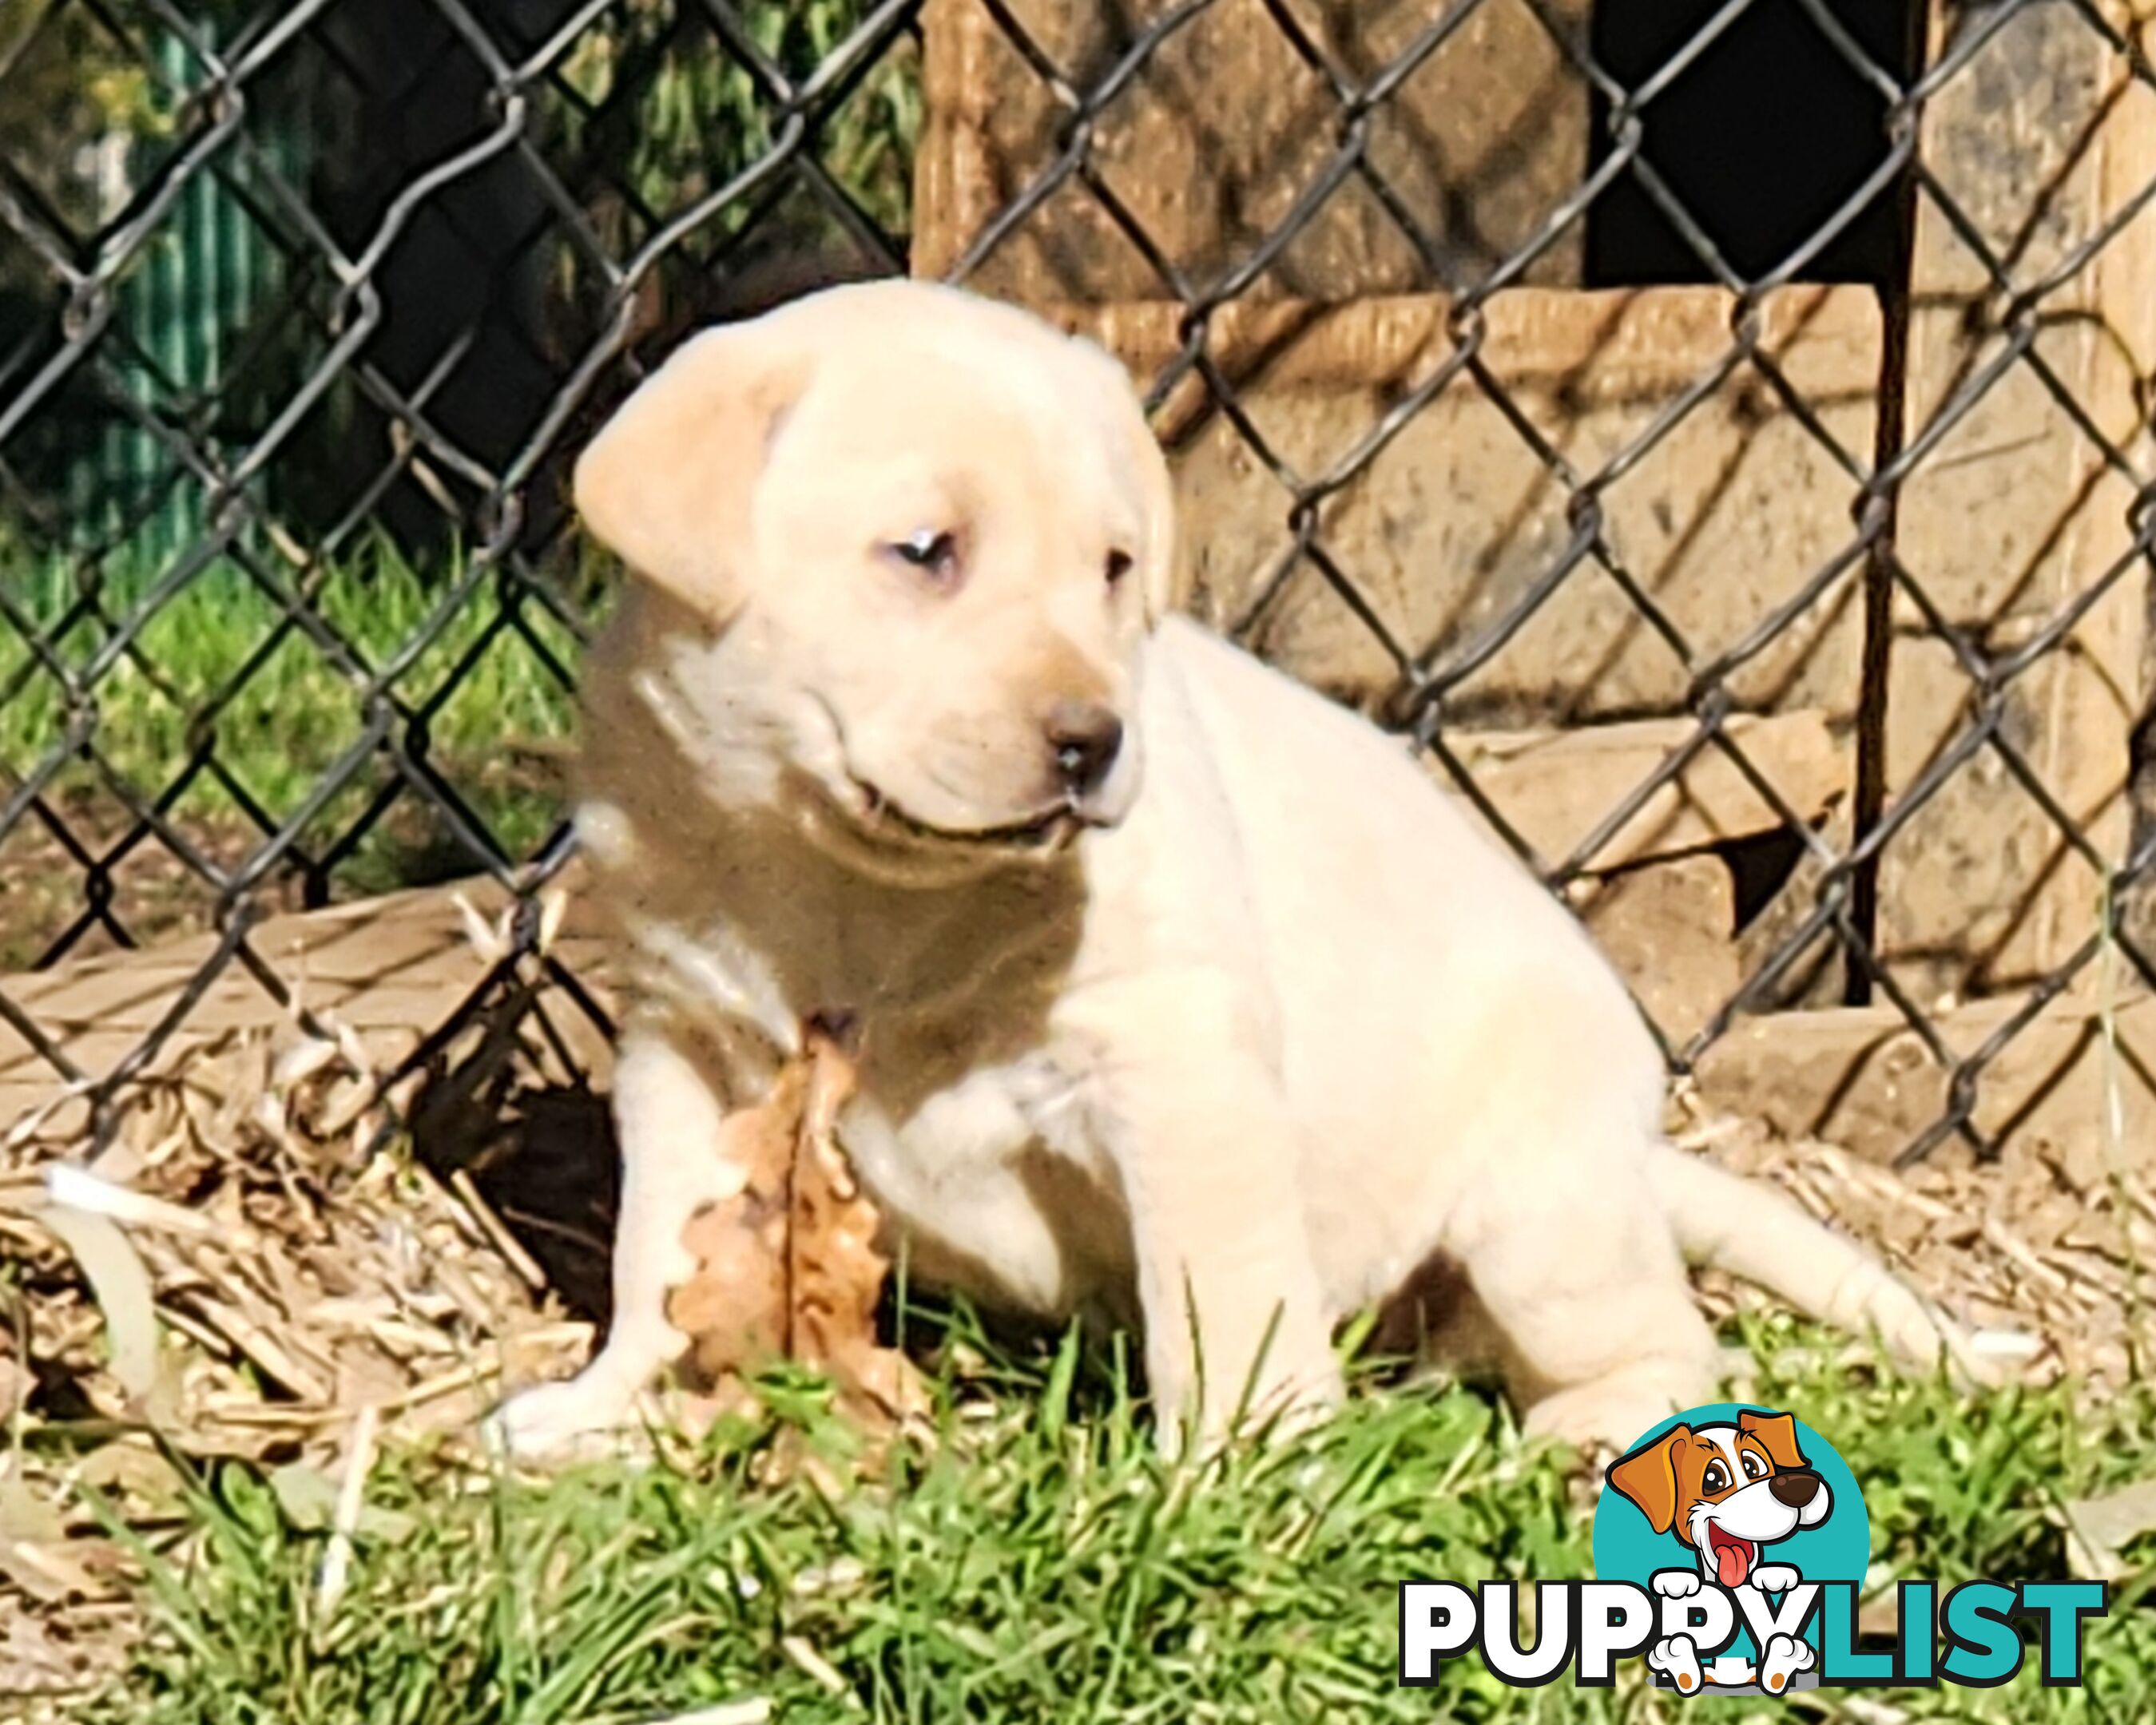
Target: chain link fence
1716	434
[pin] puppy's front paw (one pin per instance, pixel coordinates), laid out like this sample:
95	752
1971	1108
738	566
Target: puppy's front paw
576	1420
1602	1417
1676	1583
1676	1659
1775	1577
1786	1655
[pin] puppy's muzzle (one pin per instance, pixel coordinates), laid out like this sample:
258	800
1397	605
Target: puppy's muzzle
1795	1489
1085	738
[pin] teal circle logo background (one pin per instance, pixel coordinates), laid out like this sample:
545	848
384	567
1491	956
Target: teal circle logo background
1628	1549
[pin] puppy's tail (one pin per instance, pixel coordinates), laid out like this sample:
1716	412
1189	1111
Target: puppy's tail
1751	1231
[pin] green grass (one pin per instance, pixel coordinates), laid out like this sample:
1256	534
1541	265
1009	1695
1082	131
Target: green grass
1041	1564
297	711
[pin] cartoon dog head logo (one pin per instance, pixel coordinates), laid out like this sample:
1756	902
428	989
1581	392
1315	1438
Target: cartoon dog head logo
1728	1491
1728	1513
1730	1552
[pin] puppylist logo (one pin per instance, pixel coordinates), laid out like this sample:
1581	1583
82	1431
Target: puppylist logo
1730	1546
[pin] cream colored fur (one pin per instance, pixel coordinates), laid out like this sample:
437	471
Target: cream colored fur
1225	1045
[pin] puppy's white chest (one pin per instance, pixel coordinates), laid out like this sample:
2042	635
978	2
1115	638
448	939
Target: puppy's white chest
998	1186
990	1118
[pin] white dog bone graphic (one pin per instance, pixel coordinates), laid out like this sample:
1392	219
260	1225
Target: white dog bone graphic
1676	1583
1676	1659
1775	1577
1786	1655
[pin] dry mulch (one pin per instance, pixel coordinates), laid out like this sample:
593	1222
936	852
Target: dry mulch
304	1290
2045	1255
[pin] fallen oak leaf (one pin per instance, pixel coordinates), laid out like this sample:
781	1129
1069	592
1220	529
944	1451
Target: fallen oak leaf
788	1267
733	1308
836	1272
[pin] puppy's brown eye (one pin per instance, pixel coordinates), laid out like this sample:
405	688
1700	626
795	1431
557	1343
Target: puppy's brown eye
934	554
1118	566
1714	1479
1753	1466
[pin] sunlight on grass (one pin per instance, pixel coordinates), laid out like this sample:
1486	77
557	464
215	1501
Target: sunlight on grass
1040	1564
220	672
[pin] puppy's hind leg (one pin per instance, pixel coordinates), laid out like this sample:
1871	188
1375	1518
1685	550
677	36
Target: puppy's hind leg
1576	1267
671	1125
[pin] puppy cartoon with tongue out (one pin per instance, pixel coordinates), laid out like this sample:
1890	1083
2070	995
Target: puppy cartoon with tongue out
1729	1491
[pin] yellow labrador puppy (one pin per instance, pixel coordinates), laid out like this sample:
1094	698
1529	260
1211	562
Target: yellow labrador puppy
1183	997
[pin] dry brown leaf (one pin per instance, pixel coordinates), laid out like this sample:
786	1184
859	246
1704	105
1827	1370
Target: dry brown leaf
39	1554
2098	1529
733	1309
49	1572
34	1660
836	1273
788	1266
134	1473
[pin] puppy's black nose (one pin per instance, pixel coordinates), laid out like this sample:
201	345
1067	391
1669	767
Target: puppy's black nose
1087	737
1795	1489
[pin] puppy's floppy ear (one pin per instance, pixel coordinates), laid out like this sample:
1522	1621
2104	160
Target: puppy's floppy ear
1649	1477
1125	417
667	485
1779	1433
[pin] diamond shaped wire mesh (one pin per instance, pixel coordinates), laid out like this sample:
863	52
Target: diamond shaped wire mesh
1533	373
